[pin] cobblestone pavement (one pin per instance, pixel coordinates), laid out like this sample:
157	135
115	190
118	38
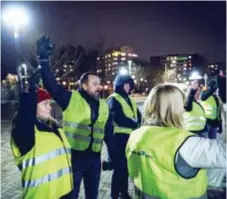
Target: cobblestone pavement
10	175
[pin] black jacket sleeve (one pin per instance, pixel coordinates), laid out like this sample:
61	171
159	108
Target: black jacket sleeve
190	98
24	121
118	116
109	137
57	92
206	94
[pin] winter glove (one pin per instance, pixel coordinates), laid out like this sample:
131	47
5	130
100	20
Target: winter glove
44	48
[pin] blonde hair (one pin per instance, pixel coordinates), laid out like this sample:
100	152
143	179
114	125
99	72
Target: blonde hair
164	106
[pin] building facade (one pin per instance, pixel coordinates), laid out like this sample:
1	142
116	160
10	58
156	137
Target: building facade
178	67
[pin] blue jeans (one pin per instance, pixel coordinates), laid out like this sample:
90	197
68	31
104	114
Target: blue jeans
88	169
212	132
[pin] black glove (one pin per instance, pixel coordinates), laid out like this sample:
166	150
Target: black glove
44	48
107	166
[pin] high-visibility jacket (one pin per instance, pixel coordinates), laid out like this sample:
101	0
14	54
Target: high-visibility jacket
195	120
151	156
80	131
128	112
46	168
210	107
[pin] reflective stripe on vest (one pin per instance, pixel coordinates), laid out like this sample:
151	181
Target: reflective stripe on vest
44	158
77	124
127	111
46	167
47	178
83	138
84	127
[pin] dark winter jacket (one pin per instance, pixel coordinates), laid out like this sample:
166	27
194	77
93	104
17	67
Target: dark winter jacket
116	108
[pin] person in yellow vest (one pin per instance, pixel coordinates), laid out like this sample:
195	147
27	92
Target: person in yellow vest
211	106
126	117
194	115
86	122
41	149
164	160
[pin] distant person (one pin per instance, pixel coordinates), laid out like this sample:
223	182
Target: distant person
126	117
211	106
165	161
41	149
194	115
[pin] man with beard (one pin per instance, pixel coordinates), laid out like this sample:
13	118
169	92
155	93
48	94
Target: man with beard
126	117
86	122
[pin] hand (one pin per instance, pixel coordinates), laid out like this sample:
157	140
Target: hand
44	48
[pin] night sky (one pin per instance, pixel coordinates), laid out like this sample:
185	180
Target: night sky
151	28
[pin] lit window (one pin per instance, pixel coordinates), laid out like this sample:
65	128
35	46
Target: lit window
185	68
109	64
123	58
189	57
212	66
98	58
115	58
57	70
64	70
109	55
135	55
123	54
174	61
116	53
71	69
65	66
58	78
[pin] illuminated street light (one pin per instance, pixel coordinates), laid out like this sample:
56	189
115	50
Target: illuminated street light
195	76
15	17
123	71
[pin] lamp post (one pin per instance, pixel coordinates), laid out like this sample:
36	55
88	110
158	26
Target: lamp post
130	67
16	17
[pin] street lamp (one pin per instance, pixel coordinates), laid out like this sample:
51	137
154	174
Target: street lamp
17	18
123	71
195	76
130	66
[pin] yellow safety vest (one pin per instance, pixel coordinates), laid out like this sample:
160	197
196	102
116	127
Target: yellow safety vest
210	108
46	168
77	124
195	120
151	153
127	110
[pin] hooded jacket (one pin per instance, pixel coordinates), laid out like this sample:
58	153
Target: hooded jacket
116	108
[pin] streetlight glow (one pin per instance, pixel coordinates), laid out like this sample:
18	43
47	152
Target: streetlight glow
195	76
123	71
15	17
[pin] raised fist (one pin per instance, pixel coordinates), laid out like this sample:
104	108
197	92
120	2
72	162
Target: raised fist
44	47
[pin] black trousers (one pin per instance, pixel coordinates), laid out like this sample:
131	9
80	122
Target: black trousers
120	173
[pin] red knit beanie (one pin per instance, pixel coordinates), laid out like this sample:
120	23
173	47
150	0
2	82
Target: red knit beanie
43	95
